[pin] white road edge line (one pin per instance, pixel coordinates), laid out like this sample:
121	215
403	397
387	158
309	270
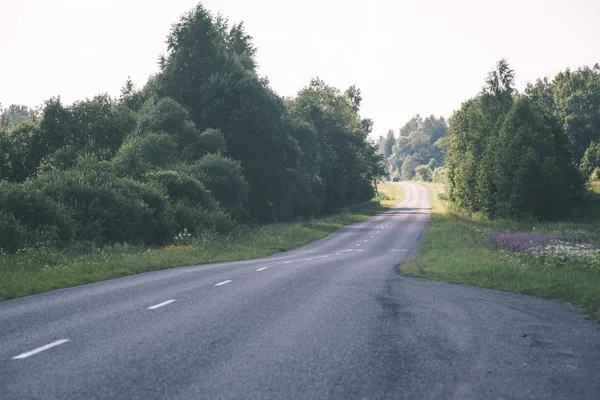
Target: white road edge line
262	269
164	303
40	349
223	283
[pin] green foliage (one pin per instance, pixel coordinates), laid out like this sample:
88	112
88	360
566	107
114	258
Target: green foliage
507	156
193	208
574	98
439	175
203	72
591	161
205	145
534	172
349	162
424	173
212	141
98	125
23	151
107	209
12	233
14	115
46	221
417	144
225	180
303	169
140	154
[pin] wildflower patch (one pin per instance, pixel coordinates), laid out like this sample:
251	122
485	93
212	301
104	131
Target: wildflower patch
551	248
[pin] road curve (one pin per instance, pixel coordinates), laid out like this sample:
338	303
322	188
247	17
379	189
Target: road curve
328	320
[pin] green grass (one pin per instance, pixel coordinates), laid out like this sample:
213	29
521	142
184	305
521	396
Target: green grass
456	249
40	270
389	193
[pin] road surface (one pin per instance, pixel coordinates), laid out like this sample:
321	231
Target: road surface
329	320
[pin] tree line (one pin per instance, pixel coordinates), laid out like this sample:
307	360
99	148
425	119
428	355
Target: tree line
525	155
416	153
204	145
507	154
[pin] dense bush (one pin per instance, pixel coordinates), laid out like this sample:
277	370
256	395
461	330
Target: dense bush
13	235
590	161
193	207
145	152
107	208
424	173
225	180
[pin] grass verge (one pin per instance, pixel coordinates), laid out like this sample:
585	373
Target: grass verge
457	248
39	270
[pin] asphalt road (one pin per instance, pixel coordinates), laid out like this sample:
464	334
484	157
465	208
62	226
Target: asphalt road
328	320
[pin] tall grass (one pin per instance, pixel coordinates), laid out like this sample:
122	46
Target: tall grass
458	248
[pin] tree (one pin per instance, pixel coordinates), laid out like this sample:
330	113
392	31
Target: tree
13	115
507	156
224	178
349	163
416	145
574	98
388	144
202	72
424	173
534	171
591	160
141	154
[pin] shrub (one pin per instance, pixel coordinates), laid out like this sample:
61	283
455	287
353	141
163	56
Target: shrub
213	141
590	161
192	206
439	175
225	180
108	209
423	173
140	154
36	211
12	233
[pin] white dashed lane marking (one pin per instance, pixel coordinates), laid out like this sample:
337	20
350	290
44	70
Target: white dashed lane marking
223	283
40	349
261	269
164	303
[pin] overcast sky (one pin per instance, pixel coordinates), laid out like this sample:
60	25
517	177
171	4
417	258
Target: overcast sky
407	56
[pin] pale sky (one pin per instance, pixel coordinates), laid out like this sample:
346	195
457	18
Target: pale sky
407	56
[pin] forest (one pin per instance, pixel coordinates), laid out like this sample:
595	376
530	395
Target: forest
506	154
205	145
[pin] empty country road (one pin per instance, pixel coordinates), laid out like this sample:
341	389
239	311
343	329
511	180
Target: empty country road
330	320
